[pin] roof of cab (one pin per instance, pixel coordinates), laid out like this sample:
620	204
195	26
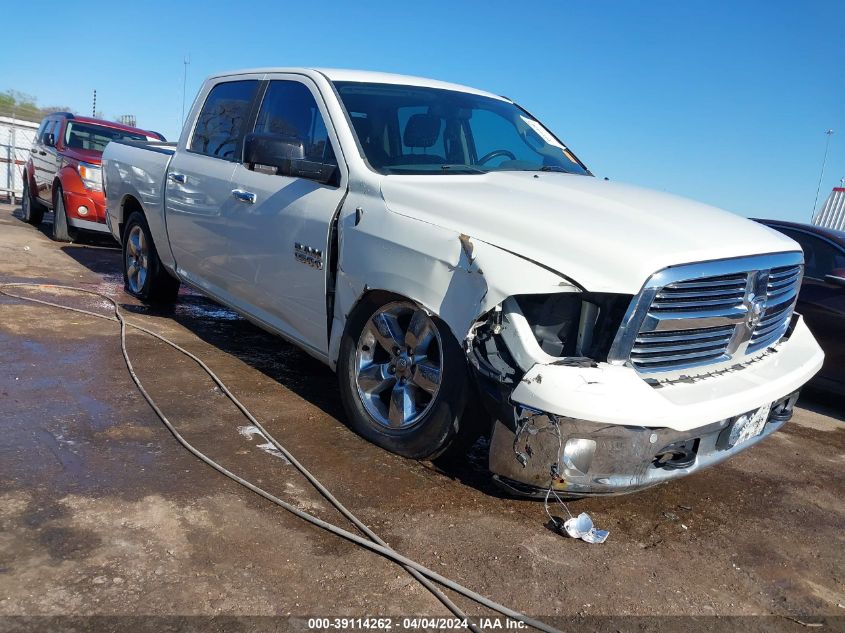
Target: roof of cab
363	76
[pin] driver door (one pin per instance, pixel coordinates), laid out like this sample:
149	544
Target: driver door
279	229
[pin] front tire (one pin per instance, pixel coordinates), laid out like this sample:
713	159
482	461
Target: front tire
403	377
32	210
144	276
61	231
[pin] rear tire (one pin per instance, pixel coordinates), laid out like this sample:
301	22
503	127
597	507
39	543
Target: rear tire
32	210
408	401
61	231
144	276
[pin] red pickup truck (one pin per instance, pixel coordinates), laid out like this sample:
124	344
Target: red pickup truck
63	172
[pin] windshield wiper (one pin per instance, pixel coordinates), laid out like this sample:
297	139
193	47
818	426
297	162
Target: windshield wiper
466	168
554	168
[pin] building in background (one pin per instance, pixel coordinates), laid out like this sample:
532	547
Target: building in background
127	119
832	213
16	138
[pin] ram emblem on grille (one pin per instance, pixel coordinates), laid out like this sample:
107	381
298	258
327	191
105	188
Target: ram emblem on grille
756	308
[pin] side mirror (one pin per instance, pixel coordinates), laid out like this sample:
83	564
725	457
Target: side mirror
836	277
285	155
48	139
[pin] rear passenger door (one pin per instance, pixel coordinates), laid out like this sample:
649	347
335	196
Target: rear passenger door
198	183
279	241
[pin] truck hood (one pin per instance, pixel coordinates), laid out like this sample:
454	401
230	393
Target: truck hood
605	236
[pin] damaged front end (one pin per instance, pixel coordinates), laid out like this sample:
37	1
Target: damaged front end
568	420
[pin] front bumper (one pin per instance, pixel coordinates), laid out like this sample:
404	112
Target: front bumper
604	430
95	210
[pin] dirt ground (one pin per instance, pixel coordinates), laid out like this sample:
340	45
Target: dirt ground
102	513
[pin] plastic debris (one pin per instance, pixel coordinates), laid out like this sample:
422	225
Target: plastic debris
577	527
582	527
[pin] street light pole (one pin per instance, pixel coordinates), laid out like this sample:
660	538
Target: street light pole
829	133
186	61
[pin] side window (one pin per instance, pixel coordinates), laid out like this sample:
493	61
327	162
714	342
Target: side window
53	128
57	132
221	120
820	256
41	128
289	109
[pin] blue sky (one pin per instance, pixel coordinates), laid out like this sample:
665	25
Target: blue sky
723	102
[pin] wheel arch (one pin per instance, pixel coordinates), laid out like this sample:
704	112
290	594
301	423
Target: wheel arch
128	205
450	275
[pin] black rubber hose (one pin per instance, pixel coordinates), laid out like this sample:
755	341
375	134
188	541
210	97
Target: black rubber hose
420	572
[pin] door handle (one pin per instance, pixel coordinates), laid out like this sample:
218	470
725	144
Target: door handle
244	196
43	153
180	178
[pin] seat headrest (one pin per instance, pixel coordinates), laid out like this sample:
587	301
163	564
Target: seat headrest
362	128
75	140
421	130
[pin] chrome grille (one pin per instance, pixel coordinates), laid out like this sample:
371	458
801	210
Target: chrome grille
782	288
709	293
710	313
657	350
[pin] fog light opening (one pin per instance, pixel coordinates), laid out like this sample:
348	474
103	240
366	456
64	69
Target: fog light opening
677	455
782	410
82	210
577	456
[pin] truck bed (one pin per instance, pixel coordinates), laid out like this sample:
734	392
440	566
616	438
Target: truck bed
135	171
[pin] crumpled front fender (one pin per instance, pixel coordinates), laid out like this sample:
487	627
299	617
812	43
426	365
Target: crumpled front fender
453	276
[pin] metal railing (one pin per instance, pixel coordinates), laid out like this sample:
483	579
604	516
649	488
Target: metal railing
16	137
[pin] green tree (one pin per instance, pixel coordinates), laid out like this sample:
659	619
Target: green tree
24	106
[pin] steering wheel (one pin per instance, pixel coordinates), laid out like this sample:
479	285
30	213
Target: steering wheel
496	152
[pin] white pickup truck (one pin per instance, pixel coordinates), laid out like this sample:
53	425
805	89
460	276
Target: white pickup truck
441	249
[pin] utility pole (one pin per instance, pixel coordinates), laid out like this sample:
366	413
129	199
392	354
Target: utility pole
94	105
186	62
829	133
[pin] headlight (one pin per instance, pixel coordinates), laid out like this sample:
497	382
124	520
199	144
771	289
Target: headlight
92	176
575	323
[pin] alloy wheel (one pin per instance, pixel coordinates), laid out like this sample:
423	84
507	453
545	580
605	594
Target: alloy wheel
398	363
137	259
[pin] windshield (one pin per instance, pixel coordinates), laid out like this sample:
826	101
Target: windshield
418	130
80	135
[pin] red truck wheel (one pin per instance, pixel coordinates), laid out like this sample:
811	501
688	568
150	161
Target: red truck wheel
61	232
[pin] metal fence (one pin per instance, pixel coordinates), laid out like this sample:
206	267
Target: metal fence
16	137
832	213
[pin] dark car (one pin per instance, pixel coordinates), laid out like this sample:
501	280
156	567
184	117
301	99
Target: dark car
822	296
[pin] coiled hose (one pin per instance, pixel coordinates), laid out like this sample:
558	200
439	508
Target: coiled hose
421	573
